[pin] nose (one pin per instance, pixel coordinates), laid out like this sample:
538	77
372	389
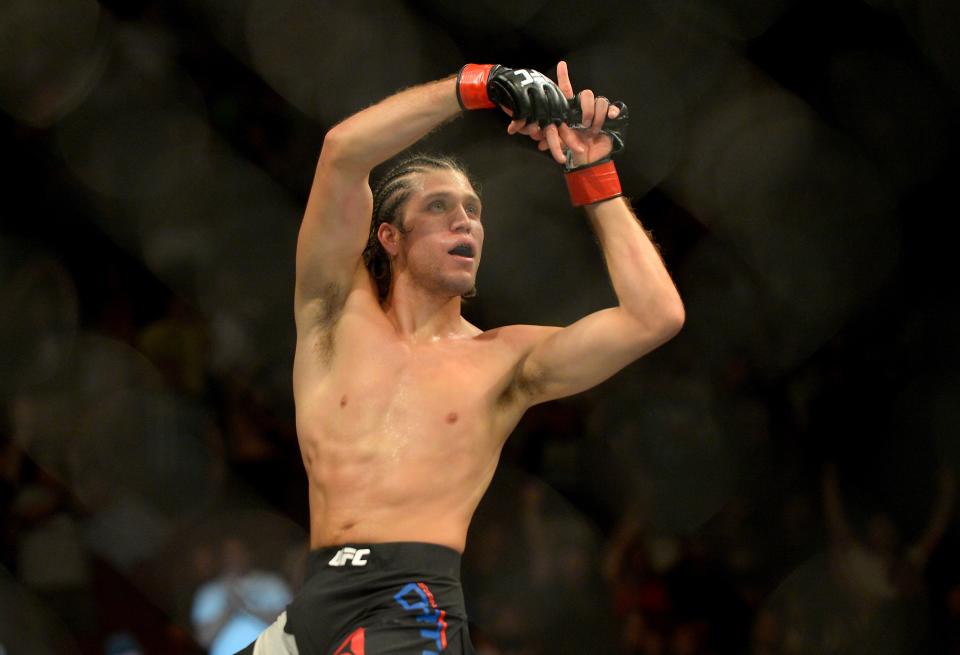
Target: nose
461	220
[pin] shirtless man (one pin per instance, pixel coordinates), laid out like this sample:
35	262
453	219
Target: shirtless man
402	405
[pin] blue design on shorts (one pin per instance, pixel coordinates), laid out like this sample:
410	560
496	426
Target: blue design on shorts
416	597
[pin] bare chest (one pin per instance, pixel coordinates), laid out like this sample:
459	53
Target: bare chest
420	394
406	402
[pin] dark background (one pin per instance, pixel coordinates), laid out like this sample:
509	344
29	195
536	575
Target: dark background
792	160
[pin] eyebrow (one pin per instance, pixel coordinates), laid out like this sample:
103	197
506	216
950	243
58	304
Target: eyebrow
446	195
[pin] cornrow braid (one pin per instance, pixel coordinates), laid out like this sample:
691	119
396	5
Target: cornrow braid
389	196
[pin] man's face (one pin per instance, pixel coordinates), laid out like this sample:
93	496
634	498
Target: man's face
443	235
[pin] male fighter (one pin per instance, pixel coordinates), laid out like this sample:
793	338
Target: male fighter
402	406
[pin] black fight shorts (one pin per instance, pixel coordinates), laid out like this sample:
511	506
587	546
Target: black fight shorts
374	599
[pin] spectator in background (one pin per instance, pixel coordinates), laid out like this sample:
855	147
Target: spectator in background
636	586
533	577
708	613
232	609
569	601
639	593
880	577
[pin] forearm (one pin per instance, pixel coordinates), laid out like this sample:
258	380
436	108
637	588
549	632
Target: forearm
640	279
380	131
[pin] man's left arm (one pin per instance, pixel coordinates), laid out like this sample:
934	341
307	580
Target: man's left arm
565	361
557	362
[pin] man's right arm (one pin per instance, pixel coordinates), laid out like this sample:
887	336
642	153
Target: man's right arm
336	222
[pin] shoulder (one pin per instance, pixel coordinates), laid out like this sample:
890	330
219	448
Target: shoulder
516	342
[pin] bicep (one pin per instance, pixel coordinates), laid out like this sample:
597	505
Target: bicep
334	231
564	361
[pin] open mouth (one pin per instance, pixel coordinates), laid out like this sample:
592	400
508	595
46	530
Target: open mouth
462	249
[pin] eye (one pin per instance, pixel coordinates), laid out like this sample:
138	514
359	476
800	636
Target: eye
438	204
474	210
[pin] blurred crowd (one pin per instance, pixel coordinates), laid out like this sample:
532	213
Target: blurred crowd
778	480
154	506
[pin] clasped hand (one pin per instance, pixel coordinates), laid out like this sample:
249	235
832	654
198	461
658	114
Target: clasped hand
585	141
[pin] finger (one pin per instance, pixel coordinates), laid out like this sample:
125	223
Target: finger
554	143
518	127
600	114
530	129
522	112
586	107
613	112
563	80
571	138
543	145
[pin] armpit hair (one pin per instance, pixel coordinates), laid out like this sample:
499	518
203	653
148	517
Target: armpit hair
332	299
520	386
328	309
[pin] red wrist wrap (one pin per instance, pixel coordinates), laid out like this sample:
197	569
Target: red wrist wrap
593	183
472	86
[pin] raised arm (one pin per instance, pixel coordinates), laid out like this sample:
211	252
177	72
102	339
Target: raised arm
337	219
336	223
560	362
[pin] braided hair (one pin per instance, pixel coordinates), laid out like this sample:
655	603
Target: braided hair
389	197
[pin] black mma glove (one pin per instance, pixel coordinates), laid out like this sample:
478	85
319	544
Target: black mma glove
530	95
615	128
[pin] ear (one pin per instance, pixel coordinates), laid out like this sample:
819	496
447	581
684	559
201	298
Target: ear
389	237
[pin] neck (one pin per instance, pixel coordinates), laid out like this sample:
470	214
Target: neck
420	315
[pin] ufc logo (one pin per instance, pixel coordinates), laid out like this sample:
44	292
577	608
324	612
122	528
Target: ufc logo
354	556
529	77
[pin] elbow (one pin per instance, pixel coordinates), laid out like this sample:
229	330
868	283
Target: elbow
339	149
674	316
334	145
670	316
656	324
